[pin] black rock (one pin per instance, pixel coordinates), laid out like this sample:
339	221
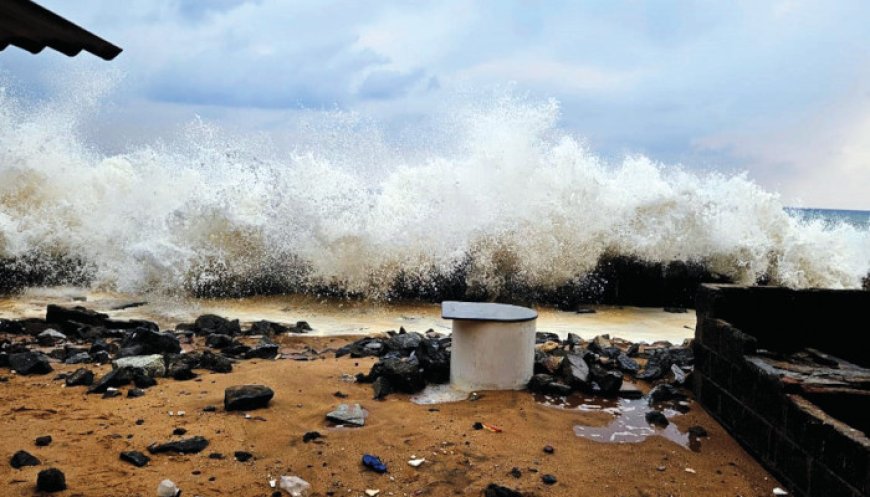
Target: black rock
575	371
181	371
134	393
544	337
144	381
4	360
242	456
79	358
633	349
187	446
549	479
381	388
627	364
214	362
608	381
515	472
434	357
573	340
267	328
658	364
405	342
219	341
11	327
111	393
209	409
236	350
21	459
43	441
209	324
179	432
50	337
216	455
549	449
135	458
114	378
152	342
301	327
101	357
262	351
657	418
697	431
404	376
78	314
493	490
50	480
29	363
99	346
477	425
682	356
663	392
311	435
540	382
80	377
247	397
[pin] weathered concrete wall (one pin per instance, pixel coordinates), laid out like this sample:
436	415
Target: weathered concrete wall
808	449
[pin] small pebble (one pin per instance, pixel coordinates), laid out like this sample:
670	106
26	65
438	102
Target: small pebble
549	449
43	441
548	479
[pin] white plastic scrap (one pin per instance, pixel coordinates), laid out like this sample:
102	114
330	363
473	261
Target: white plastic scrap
167	489
416	462
372	492
779	491
295	486
690	470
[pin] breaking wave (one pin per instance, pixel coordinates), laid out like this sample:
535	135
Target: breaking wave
488	190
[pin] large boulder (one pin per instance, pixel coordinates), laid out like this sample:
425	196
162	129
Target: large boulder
147	341
208	324
608	381
151	364
77	314
114	378
29	363
575	371
403	375
247	397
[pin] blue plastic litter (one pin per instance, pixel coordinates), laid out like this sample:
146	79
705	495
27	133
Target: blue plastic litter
374	463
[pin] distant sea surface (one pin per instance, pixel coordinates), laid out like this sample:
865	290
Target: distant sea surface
859	219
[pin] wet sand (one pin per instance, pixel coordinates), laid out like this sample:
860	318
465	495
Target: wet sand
329	317
90	432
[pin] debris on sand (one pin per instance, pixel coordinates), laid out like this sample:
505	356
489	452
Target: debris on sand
294	486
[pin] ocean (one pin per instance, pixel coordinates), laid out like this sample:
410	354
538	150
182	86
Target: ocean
492	192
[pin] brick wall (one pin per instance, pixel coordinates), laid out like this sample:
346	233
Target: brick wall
807	449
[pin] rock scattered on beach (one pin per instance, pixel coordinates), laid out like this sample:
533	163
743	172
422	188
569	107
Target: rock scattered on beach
43	441
242	456
23	458
346	414
187	446
294	486
657	418
30	363
135	458
549	479
493	490
51	480
167	488
152	364
247	397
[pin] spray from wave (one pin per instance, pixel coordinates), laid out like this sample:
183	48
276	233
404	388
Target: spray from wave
488	194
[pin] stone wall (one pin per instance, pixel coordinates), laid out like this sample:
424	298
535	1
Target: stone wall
812	437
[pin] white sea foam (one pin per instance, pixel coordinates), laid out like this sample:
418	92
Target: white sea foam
492	184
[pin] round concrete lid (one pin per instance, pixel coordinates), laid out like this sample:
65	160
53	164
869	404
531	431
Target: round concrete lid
481	311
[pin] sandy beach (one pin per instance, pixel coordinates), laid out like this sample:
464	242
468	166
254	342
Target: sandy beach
90	432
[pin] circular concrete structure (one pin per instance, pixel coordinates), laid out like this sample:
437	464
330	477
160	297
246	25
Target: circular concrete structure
493	345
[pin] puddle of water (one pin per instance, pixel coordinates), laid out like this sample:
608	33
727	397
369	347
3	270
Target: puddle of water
439	394
629	424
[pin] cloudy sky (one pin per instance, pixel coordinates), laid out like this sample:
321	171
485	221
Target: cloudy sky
779	89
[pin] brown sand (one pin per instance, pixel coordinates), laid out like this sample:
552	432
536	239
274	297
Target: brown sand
89	433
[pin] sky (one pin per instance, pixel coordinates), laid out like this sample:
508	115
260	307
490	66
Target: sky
779	89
